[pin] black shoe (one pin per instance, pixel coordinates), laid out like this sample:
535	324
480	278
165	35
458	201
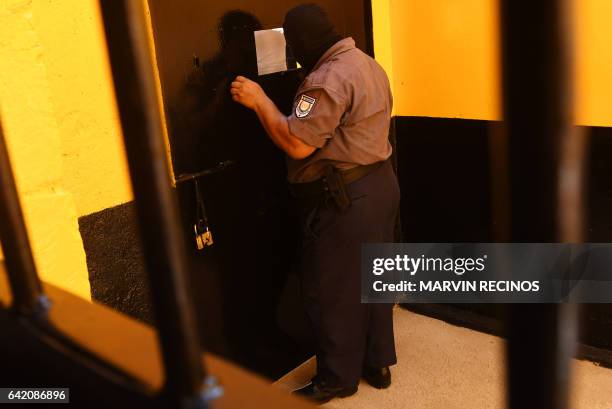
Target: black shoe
320	393
379	378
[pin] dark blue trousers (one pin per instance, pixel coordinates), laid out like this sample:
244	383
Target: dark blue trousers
349	334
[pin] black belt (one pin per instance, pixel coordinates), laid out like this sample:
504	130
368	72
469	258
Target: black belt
320	186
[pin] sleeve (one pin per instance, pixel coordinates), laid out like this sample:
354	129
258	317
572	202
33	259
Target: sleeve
317	113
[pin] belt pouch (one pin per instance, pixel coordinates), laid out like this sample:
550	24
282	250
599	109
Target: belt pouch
336	188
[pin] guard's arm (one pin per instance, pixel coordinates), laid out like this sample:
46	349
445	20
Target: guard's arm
250	94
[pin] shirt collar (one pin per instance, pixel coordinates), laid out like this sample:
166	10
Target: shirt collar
341	46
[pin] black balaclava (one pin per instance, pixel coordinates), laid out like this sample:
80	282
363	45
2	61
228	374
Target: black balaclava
309	33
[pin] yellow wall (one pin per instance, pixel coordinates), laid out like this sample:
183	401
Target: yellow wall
443	57
593	62
74	55
60	120
58	111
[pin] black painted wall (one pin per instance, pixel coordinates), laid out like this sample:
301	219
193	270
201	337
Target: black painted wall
444	171
444	177
115	260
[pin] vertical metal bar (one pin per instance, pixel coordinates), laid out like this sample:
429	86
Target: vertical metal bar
543	143
28	296
163	243
540	345
499	182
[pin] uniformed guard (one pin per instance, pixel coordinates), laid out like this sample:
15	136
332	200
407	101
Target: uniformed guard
345	188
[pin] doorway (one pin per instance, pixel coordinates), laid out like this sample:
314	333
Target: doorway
243	282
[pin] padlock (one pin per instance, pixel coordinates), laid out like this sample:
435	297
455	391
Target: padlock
203	235
207	238
198	237
202	232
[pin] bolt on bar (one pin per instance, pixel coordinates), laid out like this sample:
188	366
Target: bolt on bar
164	247
544	148
28	296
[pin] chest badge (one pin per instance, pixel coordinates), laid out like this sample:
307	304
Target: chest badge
304	106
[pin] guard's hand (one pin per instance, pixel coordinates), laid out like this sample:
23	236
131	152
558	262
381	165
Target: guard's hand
247	92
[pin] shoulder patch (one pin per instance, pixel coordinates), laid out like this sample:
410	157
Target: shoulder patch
304	106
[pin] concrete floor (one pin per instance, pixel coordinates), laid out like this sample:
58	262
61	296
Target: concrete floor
444	366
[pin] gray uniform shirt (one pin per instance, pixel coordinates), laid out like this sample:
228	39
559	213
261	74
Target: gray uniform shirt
343	108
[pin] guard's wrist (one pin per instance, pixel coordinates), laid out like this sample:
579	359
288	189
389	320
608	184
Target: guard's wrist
260	102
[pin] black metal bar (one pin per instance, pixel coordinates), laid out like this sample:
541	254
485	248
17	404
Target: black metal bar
541	342
220	167
26	289
499	182
544	149
158	217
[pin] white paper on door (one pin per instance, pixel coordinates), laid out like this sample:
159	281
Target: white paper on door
271	51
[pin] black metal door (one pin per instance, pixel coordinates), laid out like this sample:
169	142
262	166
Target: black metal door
244	276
